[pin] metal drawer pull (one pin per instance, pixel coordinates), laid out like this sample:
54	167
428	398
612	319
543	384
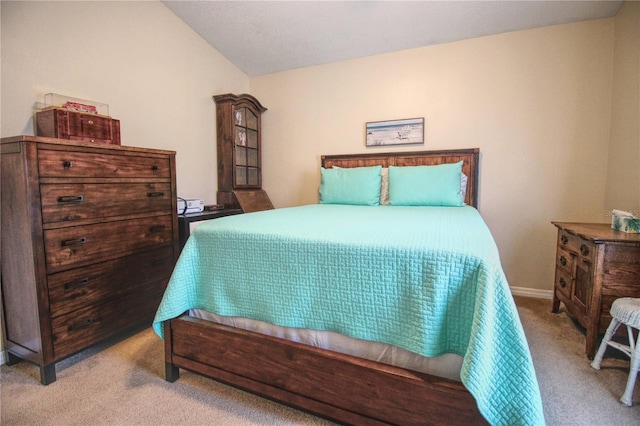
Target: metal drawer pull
77	241
155	168
563	260
157	228
564	239
71	199
155	194
90	121
81	324
584	249
76	284
67	164
563	283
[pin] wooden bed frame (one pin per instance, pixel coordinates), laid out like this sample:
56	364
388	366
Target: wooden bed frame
338	387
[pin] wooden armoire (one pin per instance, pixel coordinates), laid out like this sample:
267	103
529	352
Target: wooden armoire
239	135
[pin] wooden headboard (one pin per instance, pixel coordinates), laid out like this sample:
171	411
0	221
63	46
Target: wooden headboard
416	158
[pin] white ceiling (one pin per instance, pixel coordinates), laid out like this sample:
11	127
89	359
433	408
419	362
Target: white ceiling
262	37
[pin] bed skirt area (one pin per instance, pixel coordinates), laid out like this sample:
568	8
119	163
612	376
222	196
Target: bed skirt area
447	365
339	387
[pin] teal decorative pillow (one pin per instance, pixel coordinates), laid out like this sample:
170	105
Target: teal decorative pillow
355	186
426	185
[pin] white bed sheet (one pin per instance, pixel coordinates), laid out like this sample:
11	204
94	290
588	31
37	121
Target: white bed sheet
447	365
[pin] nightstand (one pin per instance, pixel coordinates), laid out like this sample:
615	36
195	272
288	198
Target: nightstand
185	221
594	266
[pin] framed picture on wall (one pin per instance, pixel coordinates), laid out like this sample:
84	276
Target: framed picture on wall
395	132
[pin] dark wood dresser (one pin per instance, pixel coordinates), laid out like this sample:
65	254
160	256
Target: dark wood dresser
594	266
89	241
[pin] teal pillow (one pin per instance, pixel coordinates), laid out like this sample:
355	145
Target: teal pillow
356	186
426	185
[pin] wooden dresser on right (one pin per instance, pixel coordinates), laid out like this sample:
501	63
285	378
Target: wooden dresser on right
594	266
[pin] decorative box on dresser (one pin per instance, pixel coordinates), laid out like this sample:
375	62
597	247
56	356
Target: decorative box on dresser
89	240
65	124
594	266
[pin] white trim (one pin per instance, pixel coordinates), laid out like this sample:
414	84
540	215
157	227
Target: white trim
3	357
531	292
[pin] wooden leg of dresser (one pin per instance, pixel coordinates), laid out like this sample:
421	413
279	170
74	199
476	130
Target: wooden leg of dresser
592	341
171	372
47	374
556	303
12	359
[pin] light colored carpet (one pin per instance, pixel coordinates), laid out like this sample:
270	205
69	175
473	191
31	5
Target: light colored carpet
572	392
122	383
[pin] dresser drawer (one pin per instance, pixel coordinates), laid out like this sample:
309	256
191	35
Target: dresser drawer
53	163
84	327
583	248
70	247
564	260
143	273
67	202
563	282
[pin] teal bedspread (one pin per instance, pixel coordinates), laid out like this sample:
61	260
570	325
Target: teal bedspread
427	279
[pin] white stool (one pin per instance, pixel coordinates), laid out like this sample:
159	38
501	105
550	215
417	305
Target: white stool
625	311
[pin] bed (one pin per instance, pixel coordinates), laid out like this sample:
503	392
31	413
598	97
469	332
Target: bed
253	298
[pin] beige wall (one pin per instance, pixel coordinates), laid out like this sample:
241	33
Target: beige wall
623	182
536	103
157	75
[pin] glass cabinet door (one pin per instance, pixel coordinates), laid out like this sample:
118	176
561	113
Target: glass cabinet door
247	163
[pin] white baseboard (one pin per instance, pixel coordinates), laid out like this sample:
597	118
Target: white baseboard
530	292
3	357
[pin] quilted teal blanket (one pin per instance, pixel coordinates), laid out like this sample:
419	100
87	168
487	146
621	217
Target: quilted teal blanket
426	279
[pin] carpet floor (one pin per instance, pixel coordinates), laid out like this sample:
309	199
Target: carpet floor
122	383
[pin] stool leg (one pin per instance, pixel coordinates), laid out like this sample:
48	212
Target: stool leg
611	330
633	373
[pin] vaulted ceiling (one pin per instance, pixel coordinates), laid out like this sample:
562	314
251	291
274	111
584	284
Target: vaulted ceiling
262	37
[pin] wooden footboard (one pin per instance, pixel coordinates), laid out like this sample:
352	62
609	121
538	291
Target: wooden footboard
338	387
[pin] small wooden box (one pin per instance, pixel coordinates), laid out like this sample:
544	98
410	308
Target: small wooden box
65	124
